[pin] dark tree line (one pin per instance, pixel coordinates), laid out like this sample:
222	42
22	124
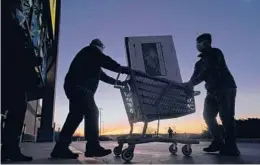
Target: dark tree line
245	128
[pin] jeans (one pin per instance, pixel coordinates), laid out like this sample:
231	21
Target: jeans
222	102
81	104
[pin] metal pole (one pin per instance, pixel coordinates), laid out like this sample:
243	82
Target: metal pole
54	125
103	127
35	121
100	109
58	134
158	126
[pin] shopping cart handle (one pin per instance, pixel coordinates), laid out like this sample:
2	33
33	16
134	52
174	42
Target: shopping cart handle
116	85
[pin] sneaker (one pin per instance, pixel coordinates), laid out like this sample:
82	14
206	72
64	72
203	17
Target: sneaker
229	151
214	146
63	153
96	151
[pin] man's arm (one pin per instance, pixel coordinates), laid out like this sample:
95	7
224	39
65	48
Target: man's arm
197	76
110	64
107	79
212	63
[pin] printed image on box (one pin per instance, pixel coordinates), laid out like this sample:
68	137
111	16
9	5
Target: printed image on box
153	59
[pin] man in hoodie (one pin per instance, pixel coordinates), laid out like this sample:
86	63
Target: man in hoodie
221	94
80	85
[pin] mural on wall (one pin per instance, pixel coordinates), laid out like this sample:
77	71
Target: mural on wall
26	6
30	12
35	30
38	38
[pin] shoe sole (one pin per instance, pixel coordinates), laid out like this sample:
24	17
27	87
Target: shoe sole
61	157
211	151
223	154
229	155
95	155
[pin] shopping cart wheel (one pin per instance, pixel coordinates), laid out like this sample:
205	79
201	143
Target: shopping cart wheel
173	148
117	150
186	150
127	154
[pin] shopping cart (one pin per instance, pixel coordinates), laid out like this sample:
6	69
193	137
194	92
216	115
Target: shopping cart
147	99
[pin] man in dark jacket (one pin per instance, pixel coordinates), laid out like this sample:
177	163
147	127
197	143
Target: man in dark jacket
221	94
80	85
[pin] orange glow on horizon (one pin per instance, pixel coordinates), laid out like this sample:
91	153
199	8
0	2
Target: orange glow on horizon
182	127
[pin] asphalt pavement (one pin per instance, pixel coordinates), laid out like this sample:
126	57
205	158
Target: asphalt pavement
158	153
41	155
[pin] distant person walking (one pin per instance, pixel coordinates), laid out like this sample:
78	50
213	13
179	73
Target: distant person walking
221	95
170	132
81	83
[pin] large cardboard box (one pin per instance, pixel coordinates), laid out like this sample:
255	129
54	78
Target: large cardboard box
154	55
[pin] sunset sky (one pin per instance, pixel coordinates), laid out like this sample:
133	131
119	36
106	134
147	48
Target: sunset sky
234	25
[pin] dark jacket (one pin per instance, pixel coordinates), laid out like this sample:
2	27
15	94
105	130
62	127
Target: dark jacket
212	69
85	69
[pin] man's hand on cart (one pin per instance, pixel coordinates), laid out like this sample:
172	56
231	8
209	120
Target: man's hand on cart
122	83
188	87
125	70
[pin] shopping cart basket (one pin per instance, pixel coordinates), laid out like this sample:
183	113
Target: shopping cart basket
147	99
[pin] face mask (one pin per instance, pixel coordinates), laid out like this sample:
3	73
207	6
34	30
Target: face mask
200	46
100	48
